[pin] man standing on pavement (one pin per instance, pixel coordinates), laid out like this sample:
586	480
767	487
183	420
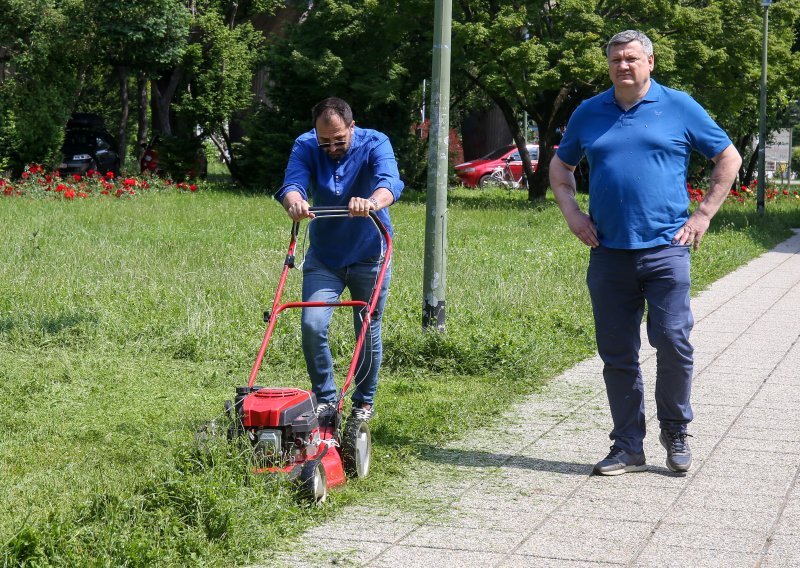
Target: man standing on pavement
338	163
637	137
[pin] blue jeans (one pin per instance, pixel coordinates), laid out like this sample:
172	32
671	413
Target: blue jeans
620	282
324	284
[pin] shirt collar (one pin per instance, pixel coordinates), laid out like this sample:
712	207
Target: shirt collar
653	93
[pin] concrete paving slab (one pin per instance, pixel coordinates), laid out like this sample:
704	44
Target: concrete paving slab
666	556
602	542
520	561
465	539
421	557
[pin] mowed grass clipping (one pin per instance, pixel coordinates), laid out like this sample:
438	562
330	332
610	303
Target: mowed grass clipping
125	324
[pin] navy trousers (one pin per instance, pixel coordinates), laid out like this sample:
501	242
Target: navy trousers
620	283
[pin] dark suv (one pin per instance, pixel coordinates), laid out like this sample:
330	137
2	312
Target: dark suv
88	146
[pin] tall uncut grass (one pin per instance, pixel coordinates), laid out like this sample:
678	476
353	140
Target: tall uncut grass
126	324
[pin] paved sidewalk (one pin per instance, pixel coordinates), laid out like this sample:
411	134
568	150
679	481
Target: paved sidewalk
522	495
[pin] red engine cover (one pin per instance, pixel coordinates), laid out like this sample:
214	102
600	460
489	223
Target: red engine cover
274	407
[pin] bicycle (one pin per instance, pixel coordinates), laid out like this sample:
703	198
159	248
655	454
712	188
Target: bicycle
502	176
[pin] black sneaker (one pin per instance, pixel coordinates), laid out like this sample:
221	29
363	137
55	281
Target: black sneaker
679	456
362	414
325	409
618	461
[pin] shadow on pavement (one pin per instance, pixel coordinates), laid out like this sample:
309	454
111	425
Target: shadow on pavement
477	458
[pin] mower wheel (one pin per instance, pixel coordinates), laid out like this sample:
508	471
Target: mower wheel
313	481
356	448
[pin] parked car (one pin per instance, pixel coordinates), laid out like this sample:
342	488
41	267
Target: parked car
88	146
476	172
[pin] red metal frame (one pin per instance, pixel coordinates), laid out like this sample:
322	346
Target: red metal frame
277	307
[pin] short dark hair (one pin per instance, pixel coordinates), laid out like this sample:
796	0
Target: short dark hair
329	107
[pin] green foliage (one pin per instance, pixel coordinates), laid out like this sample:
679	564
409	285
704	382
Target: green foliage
221	72
181	157
48	46
546	58
796	160
148	35
373	54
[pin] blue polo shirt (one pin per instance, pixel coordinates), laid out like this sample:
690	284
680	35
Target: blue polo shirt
367	165
638	162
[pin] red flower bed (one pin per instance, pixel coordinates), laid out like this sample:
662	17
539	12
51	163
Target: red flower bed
745	193
36	182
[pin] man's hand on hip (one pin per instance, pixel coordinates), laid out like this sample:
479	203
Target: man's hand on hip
692	231
582	227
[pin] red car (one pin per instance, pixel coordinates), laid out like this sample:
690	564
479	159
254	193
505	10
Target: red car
476	172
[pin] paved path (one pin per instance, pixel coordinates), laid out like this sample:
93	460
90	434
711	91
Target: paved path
521	494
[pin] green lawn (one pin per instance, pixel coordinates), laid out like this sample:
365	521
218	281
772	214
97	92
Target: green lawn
126	323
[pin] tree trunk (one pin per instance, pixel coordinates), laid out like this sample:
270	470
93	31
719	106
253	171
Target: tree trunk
751	166
519	139
122	138
144	103
162	99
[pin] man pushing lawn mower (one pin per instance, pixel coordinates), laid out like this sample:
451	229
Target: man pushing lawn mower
351	175
338	164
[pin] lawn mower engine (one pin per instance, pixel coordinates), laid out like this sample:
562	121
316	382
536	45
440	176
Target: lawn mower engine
287	436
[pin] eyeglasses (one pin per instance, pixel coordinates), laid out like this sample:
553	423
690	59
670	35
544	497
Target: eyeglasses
337	144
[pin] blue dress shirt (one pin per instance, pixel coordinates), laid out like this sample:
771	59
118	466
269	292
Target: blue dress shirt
368	164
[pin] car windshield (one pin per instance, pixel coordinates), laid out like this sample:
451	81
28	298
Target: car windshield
80	139
497	154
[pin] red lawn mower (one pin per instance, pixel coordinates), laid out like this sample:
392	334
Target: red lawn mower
282	424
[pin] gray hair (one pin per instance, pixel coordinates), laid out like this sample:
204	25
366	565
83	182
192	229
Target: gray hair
628	36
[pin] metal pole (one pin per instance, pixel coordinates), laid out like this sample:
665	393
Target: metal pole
762	119
789	162
438	143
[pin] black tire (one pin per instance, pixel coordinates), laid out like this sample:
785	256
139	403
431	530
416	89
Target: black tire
494	181
484	181
356	448
313	482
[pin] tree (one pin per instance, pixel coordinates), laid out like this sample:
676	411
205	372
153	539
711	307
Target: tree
220	74
546	57
140	37
372	53
47	49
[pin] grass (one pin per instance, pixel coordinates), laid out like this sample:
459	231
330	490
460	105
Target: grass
125	324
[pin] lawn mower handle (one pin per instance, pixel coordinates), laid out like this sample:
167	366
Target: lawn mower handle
321	211
370	306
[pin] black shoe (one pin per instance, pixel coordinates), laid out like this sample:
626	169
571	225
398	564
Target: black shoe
326	413
618	461
679	456
362	414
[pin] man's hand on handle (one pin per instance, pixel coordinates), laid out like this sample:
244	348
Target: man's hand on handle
296	207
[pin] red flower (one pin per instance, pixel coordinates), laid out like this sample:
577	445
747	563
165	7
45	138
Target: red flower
25	175
69	194
193	187
128	182
110	175
61	187
76	177
83	194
